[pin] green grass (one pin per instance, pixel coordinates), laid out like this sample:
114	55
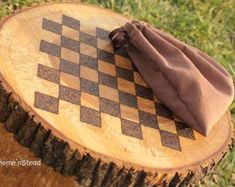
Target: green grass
205	24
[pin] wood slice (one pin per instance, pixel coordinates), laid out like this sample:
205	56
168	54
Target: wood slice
84	109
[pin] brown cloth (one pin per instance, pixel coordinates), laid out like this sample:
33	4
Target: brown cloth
186	80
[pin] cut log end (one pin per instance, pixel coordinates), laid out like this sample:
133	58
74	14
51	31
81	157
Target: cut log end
56	153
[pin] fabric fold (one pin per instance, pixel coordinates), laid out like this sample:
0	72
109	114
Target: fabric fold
189	82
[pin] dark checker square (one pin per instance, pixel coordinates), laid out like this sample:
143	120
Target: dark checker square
51	26
70	22
48	73
88	39
125	74
170	140
184	130
88	61
163	111
105	56
50	48
132	129
144	92
102	34
89	87
69	67
109	107
135	68
46	102
70	44
69	94
148	119
107	80
127	99
90	116
122	52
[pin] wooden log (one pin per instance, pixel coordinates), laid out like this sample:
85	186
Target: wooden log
34	175
84	109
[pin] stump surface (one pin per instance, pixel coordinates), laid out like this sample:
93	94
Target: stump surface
72	99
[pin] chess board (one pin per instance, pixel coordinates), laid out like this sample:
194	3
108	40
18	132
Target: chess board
103	82
61	64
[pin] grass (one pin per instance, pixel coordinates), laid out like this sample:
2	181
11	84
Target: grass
205	24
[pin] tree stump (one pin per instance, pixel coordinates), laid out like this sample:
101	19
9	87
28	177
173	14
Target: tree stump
19	175
85	110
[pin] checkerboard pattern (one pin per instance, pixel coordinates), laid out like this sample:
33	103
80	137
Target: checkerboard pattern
107	78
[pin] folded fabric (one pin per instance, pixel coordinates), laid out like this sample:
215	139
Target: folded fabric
189	82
